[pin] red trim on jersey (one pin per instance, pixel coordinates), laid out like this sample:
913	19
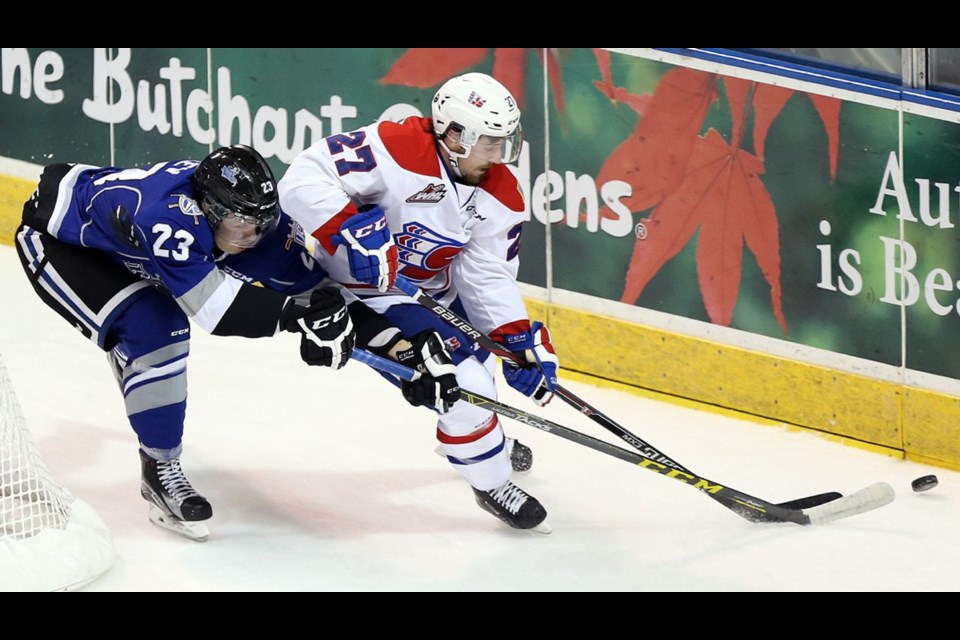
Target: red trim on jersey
411	145
324	234
510	329
473	437
502	185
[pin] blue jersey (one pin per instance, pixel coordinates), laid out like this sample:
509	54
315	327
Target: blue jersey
149	221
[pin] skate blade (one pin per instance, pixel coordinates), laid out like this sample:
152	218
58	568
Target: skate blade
543	527
196	531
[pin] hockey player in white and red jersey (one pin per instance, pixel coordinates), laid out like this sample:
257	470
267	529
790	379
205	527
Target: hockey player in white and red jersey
433	199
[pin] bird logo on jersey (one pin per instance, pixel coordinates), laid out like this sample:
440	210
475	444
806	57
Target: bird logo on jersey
424	252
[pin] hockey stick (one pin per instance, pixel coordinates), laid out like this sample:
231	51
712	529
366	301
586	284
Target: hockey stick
648	450
744	505
567	396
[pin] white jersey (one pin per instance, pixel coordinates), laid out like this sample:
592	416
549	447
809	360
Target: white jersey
453	239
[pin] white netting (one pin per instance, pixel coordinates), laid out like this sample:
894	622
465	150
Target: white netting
30	501
49	540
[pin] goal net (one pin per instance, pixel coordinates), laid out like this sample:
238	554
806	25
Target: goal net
49	539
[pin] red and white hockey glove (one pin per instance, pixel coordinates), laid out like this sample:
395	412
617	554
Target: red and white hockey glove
538	379
373	256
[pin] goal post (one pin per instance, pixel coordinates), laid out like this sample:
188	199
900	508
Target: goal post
49	539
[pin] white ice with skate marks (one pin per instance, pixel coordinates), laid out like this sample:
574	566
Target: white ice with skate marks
325	480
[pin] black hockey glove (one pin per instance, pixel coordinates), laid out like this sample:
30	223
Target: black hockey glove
437	385
326	330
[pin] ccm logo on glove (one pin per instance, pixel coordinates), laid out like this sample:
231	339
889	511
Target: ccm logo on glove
362	232
326	330
537	376
371	253
326	322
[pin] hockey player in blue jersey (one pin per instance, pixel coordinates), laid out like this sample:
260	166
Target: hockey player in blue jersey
131	256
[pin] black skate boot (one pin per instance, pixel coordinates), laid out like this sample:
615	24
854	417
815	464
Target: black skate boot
174	504
514	506
521	456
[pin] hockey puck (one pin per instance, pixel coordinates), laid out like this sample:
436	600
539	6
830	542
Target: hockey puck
924	483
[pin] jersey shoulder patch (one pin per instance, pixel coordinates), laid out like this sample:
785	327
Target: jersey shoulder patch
504	187
187	205
411	145
178	209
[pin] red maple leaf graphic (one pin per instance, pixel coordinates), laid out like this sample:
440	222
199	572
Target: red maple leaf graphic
768	103
769	100
653	158
722	195
703	183
829	110
425	68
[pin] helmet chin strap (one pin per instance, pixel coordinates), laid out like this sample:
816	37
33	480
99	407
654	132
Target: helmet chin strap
453	158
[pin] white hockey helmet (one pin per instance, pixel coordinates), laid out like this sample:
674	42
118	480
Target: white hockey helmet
483	112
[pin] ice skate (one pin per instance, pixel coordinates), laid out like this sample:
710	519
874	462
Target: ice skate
521	456
514	506
174	504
